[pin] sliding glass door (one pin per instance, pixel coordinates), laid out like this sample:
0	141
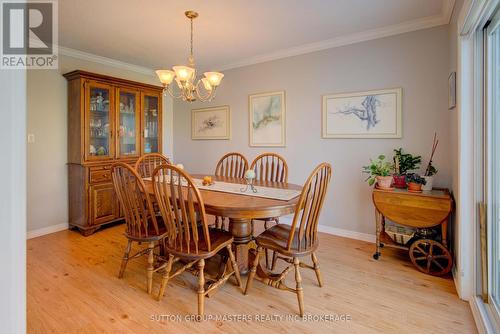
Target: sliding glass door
492	101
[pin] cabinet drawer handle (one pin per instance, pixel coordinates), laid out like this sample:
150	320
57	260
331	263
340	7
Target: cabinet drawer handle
100	177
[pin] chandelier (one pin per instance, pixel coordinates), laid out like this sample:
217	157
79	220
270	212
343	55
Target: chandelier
185	77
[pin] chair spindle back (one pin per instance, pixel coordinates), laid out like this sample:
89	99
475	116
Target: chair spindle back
270	167
148	162
182	209
309	207
232	164
134	200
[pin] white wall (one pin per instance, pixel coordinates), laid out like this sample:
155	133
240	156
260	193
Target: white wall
454	146
416	61
47	157
13	201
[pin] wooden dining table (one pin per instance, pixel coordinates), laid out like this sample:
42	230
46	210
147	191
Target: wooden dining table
241	209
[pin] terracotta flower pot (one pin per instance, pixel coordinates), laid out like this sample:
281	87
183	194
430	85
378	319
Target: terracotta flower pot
415	187
384	182
399	181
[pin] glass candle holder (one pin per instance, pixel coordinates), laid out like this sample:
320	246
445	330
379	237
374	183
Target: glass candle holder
249	178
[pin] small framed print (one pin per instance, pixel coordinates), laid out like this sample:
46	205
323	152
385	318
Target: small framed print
211	123
267	119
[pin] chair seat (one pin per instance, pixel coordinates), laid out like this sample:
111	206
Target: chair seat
219	240
152	235
276	238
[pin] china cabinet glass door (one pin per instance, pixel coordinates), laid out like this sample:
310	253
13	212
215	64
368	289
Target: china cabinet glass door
99	99
128	123
151	123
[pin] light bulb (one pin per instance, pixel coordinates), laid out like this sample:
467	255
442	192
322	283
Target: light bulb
184	73
206	84
165	76
214	78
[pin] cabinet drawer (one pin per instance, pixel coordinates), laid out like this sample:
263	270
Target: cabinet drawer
100	175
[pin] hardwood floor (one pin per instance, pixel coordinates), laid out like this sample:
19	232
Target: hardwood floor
73	287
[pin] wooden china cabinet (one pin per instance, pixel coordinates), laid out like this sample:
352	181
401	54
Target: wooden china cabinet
109	120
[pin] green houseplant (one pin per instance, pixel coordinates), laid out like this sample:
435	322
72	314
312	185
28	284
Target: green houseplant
379	171
415	182
404	163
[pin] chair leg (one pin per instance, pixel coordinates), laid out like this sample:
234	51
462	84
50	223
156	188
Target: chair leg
298	287
267	259
201	287
125	259
275	257
166	277
223	262
266	226
235	266
316	269
150	268
253	270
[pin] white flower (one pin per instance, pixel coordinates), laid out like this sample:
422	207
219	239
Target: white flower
250	174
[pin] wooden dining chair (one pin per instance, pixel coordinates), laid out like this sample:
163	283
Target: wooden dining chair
189	238
295	241
148	162
142	224
270	167
232	164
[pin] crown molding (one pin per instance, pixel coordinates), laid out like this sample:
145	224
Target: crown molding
105	61
418	24
422	23
447	10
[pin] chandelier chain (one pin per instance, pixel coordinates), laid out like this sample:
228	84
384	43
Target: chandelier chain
191	50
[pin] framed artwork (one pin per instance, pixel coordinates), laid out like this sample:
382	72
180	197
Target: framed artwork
211	123
452	90
369	114
267	119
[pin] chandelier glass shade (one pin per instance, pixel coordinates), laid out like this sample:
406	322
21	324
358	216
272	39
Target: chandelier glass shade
190	88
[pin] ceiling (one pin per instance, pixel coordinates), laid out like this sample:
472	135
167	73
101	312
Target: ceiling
232	33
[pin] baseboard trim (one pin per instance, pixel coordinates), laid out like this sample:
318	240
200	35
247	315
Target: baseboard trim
337	231
46	230
347	233
321	228
458	275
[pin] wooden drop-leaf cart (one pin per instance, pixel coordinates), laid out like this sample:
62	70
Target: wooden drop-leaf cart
423	211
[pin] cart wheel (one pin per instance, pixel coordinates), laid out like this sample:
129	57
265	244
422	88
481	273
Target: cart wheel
430	257
376	255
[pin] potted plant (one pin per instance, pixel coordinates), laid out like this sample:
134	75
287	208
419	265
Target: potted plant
430	171
415	182
379	171
404	163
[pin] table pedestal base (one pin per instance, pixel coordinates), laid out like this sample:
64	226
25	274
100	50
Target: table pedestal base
241	229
